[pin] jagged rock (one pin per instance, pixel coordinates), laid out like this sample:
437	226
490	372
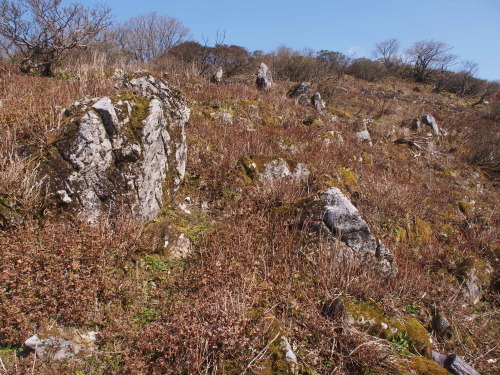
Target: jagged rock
363	136
332	214
333	137
62	343
217	77
304	88
222	116
317	102
442	326
290	356
123	153
362	133
264	78
474	275
430	121
262	169
301	93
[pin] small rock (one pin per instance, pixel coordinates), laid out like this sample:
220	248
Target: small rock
363	136
290	356
222	116
62	343
317	102
64	197
181	247
264	78
217	77
441	326
303	88
118	74
430	121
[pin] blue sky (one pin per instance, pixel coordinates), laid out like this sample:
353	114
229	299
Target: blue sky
472	27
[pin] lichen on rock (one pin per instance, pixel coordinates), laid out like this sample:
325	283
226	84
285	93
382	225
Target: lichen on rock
331	212
122	154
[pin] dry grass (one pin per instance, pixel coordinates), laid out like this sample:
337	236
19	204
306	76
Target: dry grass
251	276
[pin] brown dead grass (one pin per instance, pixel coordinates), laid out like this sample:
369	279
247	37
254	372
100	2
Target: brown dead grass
250	277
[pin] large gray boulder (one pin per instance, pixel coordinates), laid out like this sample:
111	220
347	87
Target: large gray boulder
123	154
332	214
264	78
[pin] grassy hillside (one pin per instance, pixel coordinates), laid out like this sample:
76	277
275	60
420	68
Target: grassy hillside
251	277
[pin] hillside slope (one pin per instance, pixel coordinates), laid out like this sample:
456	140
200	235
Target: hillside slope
260	291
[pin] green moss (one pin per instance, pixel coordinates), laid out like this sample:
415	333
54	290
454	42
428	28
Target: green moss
248	169
140	110
418	336
8	355
399	234
416	365
348	177
421	231
340	113
407	333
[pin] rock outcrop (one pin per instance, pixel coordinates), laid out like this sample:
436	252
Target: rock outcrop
416	124
62	343
264	78
301	93
430	121
123	154
317	102
269	170
362	133
217	77
333	215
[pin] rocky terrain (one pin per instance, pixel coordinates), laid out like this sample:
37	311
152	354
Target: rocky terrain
156	223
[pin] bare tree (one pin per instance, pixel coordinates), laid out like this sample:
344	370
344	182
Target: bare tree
151	35
387	52
42	32
427	55
466	74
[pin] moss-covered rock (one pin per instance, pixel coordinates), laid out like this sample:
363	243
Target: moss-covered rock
417	365
421	231
404	331
125	153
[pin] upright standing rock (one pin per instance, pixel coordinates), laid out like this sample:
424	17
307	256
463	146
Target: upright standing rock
301	93
123	154
331	213
317	102
264	78
430	121
217	77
